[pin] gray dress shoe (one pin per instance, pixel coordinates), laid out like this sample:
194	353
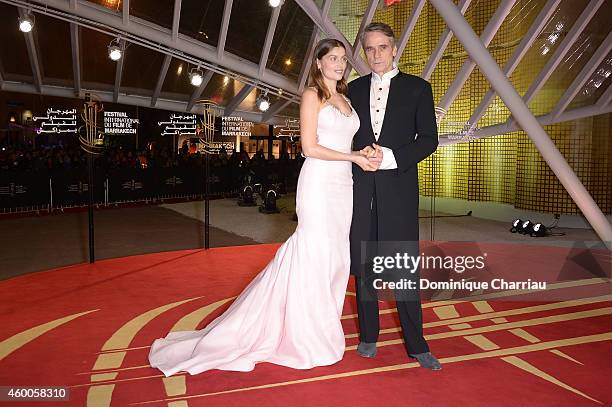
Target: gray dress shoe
427	360
367	350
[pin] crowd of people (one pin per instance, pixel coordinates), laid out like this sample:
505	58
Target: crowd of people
229	171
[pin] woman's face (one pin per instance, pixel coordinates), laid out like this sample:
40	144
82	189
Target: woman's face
333	64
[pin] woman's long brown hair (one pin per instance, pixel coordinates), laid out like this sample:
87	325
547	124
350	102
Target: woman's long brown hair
315	77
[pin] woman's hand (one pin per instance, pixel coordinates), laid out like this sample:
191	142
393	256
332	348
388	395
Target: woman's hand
364	163
368	152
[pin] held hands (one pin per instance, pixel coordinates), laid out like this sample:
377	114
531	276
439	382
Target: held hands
374	154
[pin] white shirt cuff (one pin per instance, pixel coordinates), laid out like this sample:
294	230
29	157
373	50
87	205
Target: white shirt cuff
388	161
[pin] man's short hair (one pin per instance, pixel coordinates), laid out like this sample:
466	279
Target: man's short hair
378	27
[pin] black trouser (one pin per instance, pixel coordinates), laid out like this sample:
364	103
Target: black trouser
409	311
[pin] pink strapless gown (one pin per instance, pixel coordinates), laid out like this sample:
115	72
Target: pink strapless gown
290	313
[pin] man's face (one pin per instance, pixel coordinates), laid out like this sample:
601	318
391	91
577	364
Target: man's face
380	51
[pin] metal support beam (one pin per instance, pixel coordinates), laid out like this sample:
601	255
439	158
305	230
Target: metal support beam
32	54
125	14
563	49
197	93
96	17
277	107
468	66
119	71
365	20
605	99
305	71
583	76
176	19
75	43
325	9
236	100
328	27
511	126
263	60
160	79
445	38
530	37
405	36
527	121
227	12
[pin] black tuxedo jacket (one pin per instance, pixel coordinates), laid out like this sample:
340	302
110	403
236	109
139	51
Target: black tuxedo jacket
410	131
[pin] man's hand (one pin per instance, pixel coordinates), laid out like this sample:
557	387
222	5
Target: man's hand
377	156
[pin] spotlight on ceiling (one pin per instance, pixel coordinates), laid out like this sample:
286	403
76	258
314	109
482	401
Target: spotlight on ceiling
275	3
263	103
26	22
114	50
196	77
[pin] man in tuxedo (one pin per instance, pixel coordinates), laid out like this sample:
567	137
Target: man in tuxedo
398	121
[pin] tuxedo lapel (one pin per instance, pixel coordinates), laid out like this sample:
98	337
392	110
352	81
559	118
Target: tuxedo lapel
392	100
364	108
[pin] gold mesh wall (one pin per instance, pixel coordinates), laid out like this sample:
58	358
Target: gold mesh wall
506	168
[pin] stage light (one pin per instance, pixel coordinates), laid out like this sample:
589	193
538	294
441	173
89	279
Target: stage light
26	23
246	197
275	3
525	227
269	205
263	103
538	230
516	225
114	50
195	77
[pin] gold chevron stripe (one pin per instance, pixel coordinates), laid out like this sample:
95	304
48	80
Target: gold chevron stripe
446	312
521	333
124	335
566	356
177	385
453	359
482	306
190	321
101	395
529	322
20	339
519	311
528	367
482	342
472	331
500	294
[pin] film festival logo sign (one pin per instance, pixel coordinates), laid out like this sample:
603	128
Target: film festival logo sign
179	124
291	129
235	126
57	121
12	189
119	123
206	129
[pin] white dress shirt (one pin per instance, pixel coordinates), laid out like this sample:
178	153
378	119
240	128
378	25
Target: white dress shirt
379	92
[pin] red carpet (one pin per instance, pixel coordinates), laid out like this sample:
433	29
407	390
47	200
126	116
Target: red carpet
88	327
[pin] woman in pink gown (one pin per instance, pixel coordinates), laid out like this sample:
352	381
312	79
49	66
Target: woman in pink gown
290	313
